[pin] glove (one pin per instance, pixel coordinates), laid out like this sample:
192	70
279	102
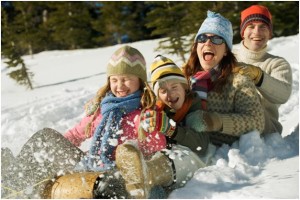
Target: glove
255	73
202	121
157	121
213	121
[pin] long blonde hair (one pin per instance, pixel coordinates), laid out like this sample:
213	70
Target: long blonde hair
148	100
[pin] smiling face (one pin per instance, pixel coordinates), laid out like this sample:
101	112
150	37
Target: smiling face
256	36
124	85
172	93
210	54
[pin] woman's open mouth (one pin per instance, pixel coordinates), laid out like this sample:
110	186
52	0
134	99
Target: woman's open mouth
208	55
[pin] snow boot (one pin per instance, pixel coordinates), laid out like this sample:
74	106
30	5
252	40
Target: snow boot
187	162
87	185
72	186
110	185
141	175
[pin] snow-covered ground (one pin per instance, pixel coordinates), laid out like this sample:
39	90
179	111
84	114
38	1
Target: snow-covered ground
65	80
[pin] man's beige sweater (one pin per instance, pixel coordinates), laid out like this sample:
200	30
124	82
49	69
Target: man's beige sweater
276	86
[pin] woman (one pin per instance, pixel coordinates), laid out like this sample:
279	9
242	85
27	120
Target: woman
231	103
229	106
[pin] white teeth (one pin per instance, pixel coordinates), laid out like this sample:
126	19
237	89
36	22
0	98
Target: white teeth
174	101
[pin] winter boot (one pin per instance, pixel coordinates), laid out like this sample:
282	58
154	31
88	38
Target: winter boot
110	185
140	175
187	162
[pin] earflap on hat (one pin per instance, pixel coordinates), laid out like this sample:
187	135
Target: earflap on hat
164	69
256	13
127	60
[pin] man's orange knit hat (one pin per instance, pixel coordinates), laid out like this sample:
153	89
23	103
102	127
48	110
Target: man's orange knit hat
256	13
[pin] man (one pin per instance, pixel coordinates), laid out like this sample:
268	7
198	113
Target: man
271	74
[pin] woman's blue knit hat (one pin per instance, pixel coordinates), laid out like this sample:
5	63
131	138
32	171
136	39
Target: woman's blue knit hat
216	24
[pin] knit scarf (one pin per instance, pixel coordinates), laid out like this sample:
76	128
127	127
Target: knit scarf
181	113
106	135
202	83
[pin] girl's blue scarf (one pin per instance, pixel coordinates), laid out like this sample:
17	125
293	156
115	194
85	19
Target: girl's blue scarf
105	139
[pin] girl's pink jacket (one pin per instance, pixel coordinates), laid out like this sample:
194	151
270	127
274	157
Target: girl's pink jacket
154	141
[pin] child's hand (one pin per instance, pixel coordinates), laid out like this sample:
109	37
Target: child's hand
157	121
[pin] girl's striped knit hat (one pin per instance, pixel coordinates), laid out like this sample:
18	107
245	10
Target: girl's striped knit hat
127	60
256	13
164	69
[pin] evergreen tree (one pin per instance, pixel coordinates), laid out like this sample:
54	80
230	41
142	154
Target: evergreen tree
69	23
166	19
285	17
13	54
117	22
139	31
42	25
26	24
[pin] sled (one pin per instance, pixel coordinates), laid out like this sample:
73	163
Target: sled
45	154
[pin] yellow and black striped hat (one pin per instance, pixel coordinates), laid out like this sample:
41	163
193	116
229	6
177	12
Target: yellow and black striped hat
164	69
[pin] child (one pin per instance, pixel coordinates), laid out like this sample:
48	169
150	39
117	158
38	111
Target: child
189	149
113	116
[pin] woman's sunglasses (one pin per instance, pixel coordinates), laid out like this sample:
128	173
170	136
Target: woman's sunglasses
202	38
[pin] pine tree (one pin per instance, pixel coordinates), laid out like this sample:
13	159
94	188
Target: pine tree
21	75
69	23
167	20
117	22
26	24
12	55
285	17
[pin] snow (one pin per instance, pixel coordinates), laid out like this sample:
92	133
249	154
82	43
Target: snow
64	81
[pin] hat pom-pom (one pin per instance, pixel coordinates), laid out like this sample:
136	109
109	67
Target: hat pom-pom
210	14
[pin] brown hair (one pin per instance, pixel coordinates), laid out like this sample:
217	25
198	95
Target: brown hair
226	65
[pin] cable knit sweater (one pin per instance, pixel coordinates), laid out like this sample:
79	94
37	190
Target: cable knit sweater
239	107
276	86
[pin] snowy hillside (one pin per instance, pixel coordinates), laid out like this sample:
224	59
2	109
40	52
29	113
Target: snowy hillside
65	80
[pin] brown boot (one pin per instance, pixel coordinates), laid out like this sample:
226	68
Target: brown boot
140	175
72	186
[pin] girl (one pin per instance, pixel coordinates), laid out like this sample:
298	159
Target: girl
113	115
112	118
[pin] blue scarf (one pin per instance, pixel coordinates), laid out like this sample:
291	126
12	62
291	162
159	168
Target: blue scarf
112	110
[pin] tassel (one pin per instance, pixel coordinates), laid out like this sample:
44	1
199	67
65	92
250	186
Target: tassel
141	134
